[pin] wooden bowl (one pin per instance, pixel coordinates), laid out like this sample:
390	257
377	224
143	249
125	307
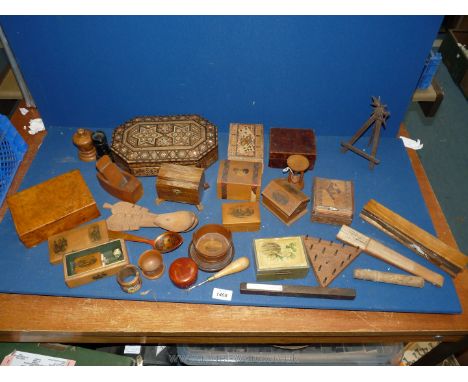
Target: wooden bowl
212	247
151	264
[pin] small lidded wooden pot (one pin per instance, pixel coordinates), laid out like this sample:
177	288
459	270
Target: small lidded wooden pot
183	272
151	264
298	165
212	248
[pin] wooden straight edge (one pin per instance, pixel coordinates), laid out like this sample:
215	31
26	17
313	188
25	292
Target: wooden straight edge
380	251
382	215
439	221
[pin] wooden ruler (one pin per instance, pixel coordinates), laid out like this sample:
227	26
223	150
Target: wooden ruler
380	251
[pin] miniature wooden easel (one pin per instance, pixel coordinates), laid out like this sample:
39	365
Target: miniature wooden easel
378	116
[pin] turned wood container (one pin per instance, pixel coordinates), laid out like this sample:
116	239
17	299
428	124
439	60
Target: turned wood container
151	264
83	141
212	248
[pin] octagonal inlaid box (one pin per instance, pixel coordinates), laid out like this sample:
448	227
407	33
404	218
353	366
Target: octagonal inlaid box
142	144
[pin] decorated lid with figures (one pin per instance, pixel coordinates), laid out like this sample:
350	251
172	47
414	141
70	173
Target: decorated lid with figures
142	144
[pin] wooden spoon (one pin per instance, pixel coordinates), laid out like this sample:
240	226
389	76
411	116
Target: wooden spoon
166	242
130	217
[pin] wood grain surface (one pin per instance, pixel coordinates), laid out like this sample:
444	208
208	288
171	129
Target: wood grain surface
29	318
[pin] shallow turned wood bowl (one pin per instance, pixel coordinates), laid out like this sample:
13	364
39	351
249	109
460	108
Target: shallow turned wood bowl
151	264
212	248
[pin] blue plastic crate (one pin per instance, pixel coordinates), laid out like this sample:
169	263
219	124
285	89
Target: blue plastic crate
12	150
430	69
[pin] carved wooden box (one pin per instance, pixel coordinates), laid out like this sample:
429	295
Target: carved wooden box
287	141
143	144
241	217
285	201
56	205
239	180
333	201
178	183
246	142
75	239
280	258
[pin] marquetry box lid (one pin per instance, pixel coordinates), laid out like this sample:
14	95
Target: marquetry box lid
56	205
285	142
280	258
239	180
246	142
94	263
142	144
333	201
285	201
241	217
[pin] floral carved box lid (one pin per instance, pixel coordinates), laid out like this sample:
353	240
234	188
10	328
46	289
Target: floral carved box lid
142	144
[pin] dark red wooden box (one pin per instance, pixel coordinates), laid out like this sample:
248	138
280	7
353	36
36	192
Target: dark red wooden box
287	141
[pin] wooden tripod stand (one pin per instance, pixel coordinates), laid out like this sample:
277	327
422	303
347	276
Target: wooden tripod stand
378	118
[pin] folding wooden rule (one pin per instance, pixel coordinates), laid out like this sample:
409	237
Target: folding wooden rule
419	241
328	259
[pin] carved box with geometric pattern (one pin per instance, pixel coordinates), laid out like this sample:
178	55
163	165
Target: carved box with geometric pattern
142	144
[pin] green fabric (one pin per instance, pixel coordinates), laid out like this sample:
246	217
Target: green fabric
445	153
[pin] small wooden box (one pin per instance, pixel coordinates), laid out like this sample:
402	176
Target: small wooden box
333	201
285	201
78	238
285	142
280	258
241	217
141	145
94	263
56	205
246	142
239	180
184	184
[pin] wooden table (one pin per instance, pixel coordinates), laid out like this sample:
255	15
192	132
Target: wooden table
28	318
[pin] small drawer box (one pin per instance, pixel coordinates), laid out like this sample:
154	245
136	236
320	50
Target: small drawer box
241	217
239	180
94	263
280	258
285	142
78	238
177	183
56	205
285	201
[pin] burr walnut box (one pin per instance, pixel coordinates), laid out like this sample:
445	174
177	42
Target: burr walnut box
285	142
178	183
239	180
241	217
141	145
333	201
56	205
246	142
285	201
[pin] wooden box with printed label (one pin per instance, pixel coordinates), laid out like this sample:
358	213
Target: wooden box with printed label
94	263
184	184
285	142
246	142
56	205
285	201
78	238
141	145
333	201
239	180
280	258
241	217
